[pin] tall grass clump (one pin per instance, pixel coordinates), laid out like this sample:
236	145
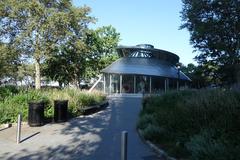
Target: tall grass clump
77	99
12	105
201	124
14	102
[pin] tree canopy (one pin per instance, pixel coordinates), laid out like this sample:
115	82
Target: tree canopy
103	42
76	61
9	60
40	28
214	26
198	74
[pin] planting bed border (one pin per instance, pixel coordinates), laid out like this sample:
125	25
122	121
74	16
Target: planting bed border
94	108
161	153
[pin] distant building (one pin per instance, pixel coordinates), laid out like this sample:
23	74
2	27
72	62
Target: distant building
143	68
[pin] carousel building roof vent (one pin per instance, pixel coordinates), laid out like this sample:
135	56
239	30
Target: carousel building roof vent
145	46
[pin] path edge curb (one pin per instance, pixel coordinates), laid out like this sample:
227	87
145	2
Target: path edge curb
161	153
9	125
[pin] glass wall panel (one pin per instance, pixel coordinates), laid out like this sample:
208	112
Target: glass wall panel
142	84
115	83
183	85
127	84
158	84
172	84
107	83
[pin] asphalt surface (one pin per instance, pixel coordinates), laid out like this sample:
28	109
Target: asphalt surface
93	137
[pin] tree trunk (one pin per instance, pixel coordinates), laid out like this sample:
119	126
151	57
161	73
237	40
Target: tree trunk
37	74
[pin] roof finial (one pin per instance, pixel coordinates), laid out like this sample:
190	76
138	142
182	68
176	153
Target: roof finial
145	46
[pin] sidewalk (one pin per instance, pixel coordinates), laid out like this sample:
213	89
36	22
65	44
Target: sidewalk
94	137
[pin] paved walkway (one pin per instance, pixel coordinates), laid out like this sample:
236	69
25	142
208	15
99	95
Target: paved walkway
94	137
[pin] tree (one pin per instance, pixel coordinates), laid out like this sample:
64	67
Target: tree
9	61
69	64
25	73
198	74
102	43
81	60
214	26
38	28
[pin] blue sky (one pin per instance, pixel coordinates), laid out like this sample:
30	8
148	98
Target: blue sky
153	22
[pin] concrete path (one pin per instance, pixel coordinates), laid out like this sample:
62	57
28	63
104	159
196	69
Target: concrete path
94	137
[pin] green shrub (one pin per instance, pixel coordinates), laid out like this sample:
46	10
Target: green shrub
184	115
145	120
7	90
86	100
13	89
12	105
154	133
206	146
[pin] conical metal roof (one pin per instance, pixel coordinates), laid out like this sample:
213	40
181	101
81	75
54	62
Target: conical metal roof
128	51
144	66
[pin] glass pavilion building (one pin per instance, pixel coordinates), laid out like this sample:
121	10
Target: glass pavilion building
143	68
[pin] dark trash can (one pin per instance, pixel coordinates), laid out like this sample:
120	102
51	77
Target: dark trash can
35	114
60	110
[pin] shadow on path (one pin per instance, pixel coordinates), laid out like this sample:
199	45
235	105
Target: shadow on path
93	137
24	139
